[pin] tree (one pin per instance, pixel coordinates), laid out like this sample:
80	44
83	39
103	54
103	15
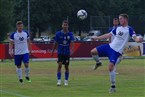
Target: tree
50	13
5	18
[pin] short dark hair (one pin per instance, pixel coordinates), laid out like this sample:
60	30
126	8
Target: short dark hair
19	22
124	15
115	18
65	21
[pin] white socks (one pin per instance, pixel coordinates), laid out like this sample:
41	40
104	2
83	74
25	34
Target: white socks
27	70
96	58
112	77
19	72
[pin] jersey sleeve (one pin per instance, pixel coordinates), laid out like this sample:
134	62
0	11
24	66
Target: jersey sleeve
110	29
113	32
12	37
132	32
28	35
72	37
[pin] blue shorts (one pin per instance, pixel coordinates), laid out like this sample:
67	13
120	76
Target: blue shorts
19	58
106	51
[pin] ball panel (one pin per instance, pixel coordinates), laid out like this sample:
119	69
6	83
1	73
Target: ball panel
82	14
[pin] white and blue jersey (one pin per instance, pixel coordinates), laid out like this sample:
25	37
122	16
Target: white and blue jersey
20	42
21	51
110	29
122	36
64	40
116	47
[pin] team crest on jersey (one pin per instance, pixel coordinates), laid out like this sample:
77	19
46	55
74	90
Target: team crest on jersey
120	33
21	38
64	42
65	38
68	37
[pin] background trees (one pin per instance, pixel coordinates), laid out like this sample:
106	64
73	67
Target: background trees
5	18
48	14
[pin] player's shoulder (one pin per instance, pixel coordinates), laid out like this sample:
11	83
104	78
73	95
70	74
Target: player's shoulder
58	32
25	31
13	33
130	28
115	28
70	32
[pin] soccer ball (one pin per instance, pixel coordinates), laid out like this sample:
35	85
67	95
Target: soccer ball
82	14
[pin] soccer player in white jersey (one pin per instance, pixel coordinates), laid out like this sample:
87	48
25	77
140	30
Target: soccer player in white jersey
19	46
114	49
115	25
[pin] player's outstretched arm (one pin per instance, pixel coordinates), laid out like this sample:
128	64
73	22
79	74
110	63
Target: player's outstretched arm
105	36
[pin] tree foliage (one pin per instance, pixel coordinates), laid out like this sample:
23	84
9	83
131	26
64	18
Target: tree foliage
47	14
5	18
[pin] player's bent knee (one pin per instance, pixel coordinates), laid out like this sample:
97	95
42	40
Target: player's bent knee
110	69
18	66
111	66
94	51
26	65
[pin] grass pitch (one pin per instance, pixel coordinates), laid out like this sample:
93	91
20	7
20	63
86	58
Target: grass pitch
83	81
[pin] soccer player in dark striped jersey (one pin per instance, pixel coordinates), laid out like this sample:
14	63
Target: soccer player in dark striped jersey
63	40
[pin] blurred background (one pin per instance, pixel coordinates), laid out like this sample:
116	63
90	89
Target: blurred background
42	18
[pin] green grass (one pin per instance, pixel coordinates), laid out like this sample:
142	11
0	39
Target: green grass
83	81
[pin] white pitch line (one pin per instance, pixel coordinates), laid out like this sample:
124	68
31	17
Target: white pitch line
12	93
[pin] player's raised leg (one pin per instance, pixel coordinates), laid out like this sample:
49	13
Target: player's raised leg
95	56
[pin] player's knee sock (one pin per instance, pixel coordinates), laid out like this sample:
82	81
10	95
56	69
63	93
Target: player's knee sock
114	68
66	75
96	58
113	77
27	70
19	72
59	75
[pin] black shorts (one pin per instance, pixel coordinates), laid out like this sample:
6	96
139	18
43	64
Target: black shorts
64	59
